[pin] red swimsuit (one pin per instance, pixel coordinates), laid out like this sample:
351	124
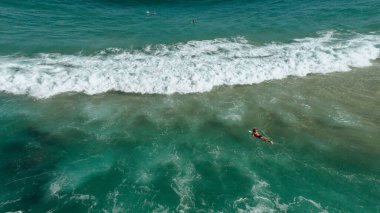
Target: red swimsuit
257	135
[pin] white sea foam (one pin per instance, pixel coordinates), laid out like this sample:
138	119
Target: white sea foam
71	174
5	203
264	200
259	201
195	66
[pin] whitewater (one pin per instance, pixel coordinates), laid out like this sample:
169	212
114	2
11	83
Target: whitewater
190	67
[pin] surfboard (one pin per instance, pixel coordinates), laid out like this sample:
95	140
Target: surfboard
250	131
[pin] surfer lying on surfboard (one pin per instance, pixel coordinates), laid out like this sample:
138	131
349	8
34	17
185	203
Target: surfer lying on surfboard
256	134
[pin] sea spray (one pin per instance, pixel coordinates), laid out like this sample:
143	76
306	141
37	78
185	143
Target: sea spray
191	67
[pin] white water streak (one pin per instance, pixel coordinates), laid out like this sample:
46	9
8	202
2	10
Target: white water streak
195	66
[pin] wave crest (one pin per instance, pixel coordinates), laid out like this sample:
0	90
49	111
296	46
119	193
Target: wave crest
195	66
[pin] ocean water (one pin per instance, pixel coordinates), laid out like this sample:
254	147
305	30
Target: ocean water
145	106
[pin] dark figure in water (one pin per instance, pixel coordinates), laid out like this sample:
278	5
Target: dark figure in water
256	134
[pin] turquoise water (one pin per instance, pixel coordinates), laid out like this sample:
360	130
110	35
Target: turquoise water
127	106
73	26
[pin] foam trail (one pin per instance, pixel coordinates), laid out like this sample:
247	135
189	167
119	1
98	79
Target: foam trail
195	66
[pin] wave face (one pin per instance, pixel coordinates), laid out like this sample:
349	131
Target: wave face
195	66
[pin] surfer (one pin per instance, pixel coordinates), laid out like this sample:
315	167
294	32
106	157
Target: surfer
256	134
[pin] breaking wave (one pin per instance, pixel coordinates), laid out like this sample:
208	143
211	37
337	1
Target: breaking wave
195	66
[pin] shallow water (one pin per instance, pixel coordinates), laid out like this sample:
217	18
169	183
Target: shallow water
126	152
